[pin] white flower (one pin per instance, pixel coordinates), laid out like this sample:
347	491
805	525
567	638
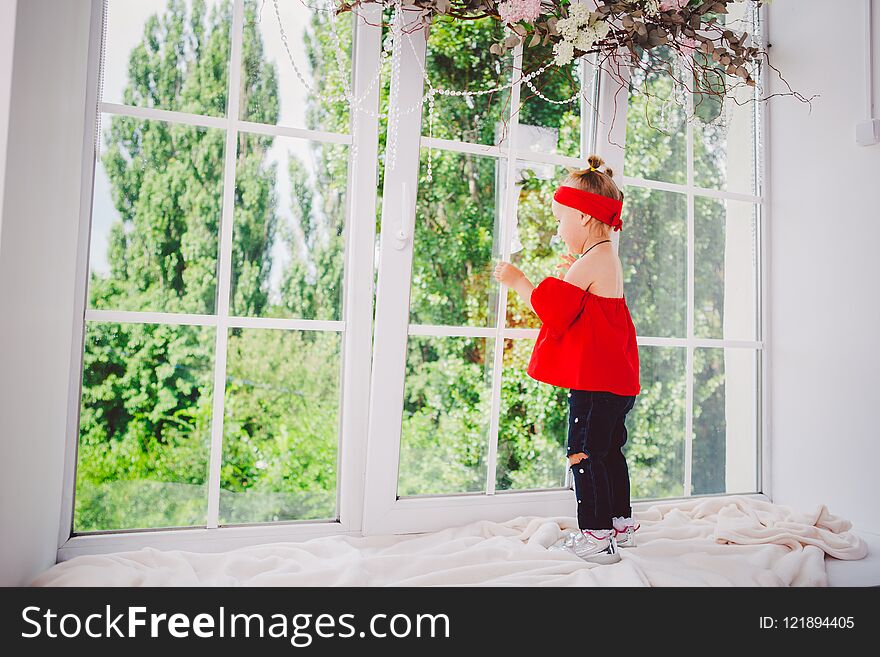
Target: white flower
564	52
580	13
585	39
601	29
652	7
577	31
568	28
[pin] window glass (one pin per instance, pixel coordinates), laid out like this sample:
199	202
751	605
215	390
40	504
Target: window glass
458	58
280	434
456	222
554	127
289	228
656	425
725	434
446	408
656	137
533	426
533	230
653	253
726	136
145	426
168	54
276	92
726	269
158	200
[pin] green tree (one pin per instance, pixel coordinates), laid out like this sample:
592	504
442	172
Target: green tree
281	430
147	388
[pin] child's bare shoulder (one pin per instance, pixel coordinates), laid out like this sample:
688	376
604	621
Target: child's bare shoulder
598	268
581	273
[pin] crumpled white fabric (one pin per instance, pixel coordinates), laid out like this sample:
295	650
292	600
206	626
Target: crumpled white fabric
722	541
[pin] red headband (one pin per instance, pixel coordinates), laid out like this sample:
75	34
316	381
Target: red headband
605	209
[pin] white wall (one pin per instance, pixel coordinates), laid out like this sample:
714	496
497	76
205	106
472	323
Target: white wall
40	213
7	39
824	233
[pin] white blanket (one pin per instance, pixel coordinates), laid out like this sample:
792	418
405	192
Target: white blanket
723	541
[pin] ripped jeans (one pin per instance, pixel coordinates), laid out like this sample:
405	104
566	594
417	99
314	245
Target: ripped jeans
601	481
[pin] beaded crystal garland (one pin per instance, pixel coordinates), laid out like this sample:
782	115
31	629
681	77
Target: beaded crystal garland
393	44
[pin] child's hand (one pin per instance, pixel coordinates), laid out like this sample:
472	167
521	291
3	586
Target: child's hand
577	458
567	261
507	273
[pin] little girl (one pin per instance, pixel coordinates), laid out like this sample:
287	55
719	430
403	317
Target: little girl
587	343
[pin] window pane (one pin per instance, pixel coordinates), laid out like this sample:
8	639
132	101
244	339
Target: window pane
145	426
446	407
726	269
725	137
168	55
553	127
655	426
530	239
725	437
458	58
533	426
653	252
158	200
724	149
281	431
456	219
289	228
656	138
274	92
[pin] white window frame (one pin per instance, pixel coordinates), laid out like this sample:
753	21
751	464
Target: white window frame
384	511
355	326
371	400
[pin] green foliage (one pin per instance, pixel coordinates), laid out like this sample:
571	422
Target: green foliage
144	426
280	430
147	389
445	430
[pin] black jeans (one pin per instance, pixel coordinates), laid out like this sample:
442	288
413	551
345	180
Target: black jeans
601	481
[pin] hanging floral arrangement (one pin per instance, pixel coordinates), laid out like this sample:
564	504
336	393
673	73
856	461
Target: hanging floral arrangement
616	30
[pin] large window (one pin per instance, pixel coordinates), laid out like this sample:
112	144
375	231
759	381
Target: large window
235	370
691	257
471	435
213	350
455	419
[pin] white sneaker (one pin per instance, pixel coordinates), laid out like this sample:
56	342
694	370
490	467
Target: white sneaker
593	548
625	537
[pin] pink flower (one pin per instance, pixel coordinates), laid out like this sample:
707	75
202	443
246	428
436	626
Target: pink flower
688	45
514	11
666	5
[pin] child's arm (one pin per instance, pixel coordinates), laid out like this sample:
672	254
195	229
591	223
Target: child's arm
513	278
524	289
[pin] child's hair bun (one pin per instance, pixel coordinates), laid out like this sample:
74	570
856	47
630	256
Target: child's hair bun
595	161
589	179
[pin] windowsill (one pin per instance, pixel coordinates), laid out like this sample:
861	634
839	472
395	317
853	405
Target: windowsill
220	539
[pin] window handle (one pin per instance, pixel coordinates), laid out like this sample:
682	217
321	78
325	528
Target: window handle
401	231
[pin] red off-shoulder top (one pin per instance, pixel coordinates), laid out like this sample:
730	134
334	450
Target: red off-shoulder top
586	341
